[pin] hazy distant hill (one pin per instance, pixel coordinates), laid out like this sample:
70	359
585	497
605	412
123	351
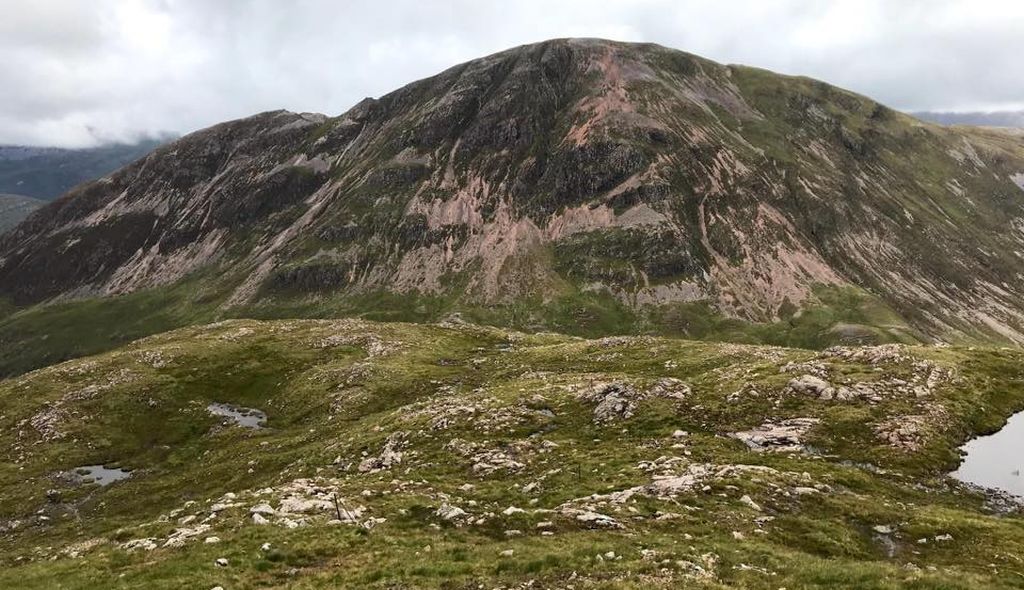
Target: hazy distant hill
14	208
46	172
996	119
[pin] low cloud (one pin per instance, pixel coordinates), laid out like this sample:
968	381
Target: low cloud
78	73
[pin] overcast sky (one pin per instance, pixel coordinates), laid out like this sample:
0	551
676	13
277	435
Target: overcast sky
78	72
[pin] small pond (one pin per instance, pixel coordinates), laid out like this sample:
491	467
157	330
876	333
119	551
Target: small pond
247	417
100	475
996	460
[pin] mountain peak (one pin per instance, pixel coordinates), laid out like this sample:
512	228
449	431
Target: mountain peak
631	182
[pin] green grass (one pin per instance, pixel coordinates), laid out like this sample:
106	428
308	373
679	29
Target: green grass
334	390
45	334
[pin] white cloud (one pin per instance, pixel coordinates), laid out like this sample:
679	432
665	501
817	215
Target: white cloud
75	73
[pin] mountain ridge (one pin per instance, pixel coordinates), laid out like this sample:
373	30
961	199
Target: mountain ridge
1007	119
587	174
434	342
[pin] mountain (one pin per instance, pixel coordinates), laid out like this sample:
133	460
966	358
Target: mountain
47	172
981	119
613	192
355	454
14	208
579	185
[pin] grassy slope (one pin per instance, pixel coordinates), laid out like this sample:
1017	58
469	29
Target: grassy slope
45	334
41	335
335	390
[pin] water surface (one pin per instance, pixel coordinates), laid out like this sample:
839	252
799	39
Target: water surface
247	417
996	461
101	475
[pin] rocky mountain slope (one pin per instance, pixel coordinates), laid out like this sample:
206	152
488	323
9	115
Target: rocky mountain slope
353	454
581	185
14	208
47	172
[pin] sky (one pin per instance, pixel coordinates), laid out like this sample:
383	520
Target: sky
76	73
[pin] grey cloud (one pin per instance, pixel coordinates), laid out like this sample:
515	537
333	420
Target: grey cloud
77	73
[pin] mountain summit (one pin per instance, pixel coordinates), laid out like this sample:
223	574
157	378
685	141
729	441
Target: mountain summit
581	176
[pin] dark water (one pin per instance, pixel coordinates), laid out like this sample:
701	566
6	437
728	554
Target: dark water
101	475
246	417
996	461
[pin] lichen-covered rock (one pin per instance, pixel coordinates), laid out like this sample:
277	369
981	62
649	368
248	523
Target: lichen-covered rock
813	386
147	544
451	513
617	400
592	519
904	432
784	436
390	455
487	461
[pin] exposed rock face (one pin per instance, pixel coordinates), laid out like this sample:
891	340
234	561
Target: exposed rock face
565	166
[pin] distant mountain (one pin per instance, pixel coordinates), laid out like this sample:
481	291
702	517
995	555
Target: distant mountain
14	208
47	172
978	119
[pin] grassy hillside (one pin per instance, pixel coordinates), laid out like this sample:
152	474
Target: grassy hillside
46	334
407	456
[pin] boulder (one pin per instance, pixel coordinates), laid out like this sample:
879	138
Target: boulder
813	386
785	436
264	509
449	512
